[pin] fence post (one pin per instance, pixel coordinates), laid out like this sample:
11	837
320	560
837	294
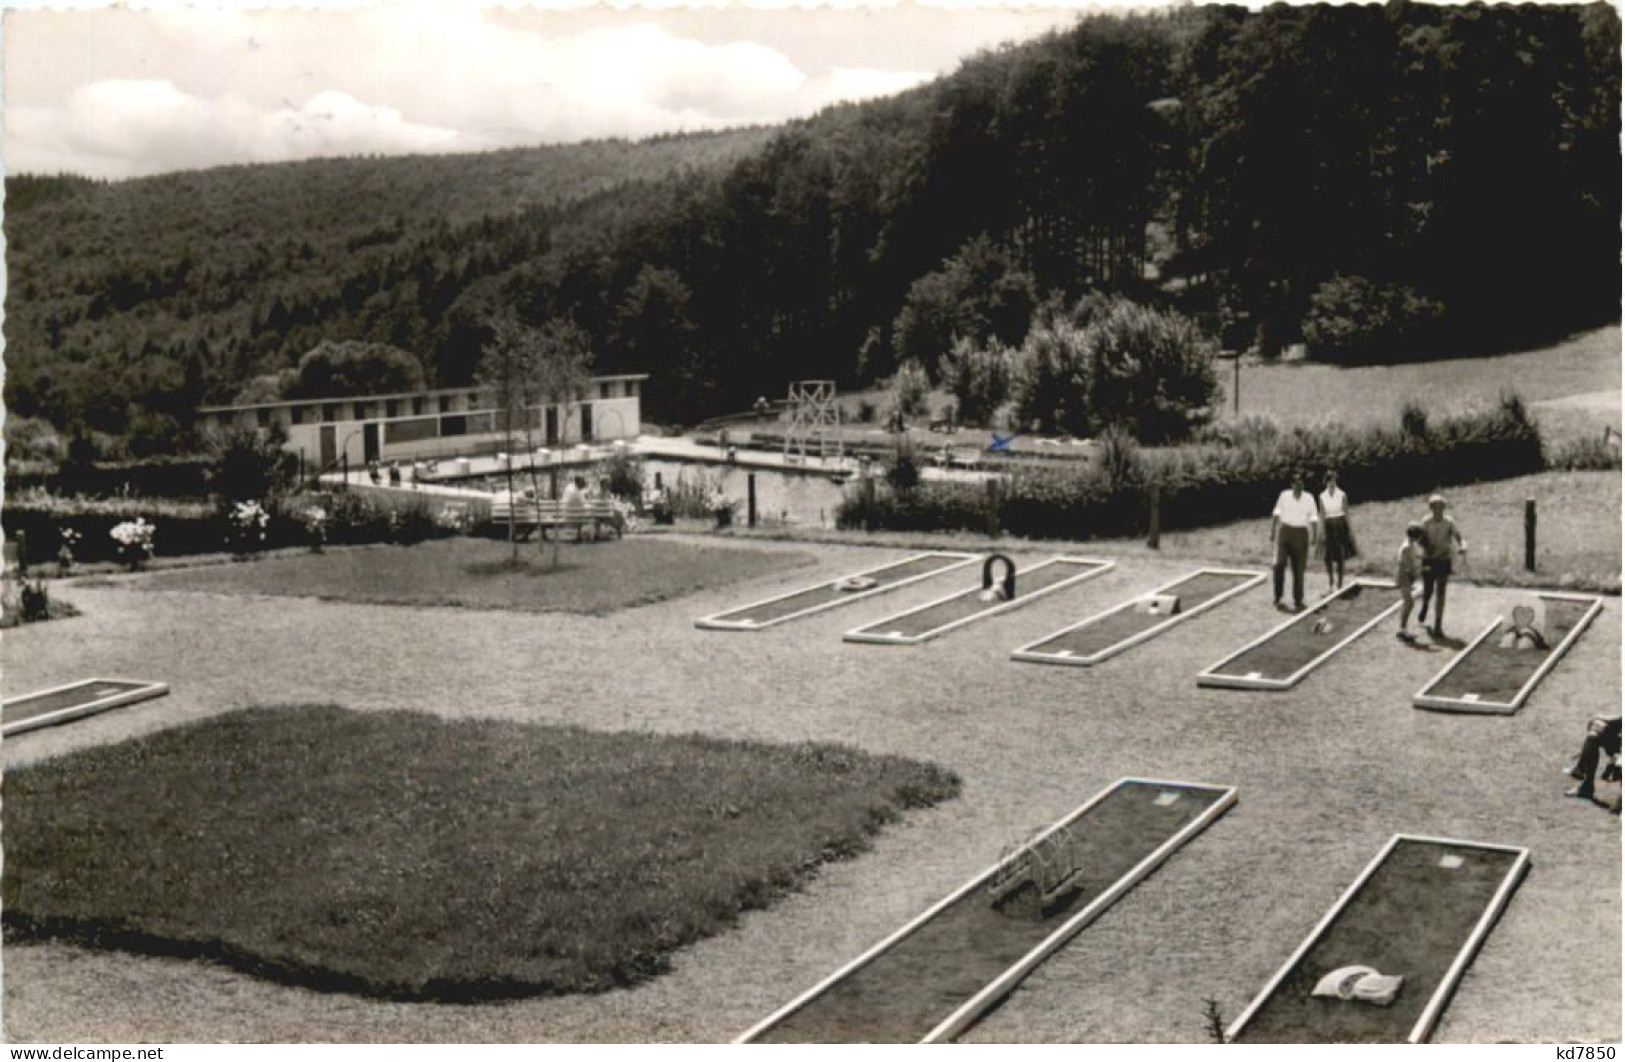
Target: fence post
1154	535
993	508
1529	534
750	495
345	457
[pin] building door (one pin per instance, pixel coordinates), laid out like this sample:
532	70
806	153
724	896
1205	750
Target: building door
552	425
369	441
330	445
586	422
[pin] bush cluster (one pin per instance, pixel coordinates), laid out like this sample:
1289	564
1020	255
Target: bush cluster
1118	364
1203	485
1353	319
183	528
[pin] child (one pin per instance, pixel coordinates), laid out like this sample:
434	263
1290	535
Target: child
1410	565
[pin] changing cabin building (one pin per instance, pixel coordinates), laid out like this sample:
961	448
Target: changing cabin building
447	422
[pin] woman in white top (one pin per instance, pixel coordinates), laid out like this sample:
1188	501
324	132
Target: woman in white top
1339	539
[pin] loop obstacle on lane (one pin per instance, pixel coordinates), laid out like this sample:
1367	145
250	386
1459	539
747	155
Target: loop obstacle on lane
1139	619
1419	911
844	591
1495	678
933	978
967	606
62	704
1282	657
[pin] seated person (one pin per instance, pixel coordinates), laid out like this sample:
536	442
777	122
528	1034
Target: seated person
1523	633
1602	735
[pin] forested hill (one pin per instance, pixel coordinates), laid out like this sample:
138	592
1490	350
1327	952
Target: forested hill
1405	179
129	301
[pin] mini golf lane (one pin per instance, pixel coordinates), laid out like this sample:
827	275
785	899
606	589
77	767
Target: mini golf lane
1420	910
1485	677
1111	632
811	599
74	701
943	615
934	977
1281	658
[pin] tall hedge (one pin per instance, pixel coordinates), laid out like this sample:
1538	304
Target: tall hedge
1216	484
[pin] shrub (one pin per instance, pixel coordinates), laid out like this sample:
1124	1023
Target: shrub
250	465
979	378
623	474
1050	384
911	390
247	526
868	412
35	601
135	541
1249	430
1145	370
903	468
1353	318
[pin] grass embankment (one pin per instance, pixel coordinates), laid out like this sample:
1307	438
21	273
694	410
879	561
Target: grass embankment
594	578
1577	533
1309	392
401	855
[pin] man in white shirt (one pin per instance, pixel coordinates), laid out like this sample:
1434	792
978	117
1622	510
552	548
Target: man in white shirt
1294	529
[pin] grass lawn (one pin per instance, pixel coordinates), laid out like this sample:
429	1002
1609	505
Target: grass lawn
592	577
1303	392
398	854
1577	536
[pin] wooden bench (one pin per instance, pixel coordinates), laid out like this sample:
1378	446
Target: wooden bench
530	515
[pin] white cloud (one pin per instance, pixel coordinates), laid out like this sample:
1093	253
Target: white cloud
180	89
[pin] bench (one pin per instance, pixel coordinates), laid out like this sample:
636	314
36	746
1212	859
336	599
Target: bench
531	515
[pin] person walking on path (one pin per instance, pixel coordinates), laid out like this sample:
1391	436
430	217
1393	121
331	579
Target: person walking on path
1293	530
1338	538
1410	566
1441	541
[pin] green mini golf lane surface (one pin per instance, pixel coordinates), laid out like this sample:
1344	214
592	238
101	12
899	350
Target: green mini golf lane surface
1295	646
904	992
1124	622
28	707
1410	918
814	596
963	606
1497	674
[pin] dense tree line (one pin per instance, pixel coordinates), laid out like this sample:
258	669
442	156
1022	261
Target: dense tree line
1403	180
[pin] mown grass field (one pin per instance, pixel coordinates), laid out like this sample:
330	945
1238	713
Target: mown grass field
1325	774
1304	392
591	577
403	855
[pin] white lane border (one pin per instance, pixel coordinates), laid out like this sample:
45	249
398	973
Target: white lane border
1447	985
1424	699
718	622
968	1012
1032	654
1214	675
873	633
142	690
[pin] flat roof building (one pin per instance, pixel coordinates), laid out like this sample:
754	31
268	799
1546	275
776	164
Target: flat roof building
445	422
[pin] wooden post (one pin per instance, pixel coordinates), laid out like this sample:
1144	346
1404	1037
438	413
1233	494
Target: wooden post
750	500
1529	534
1154	535
345	458
992	508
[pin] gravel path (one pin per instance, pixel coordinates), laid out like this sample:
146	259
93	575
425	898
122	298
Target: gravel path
1326	774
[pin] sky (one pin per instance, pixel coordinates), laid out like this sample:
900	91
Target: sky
120	93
